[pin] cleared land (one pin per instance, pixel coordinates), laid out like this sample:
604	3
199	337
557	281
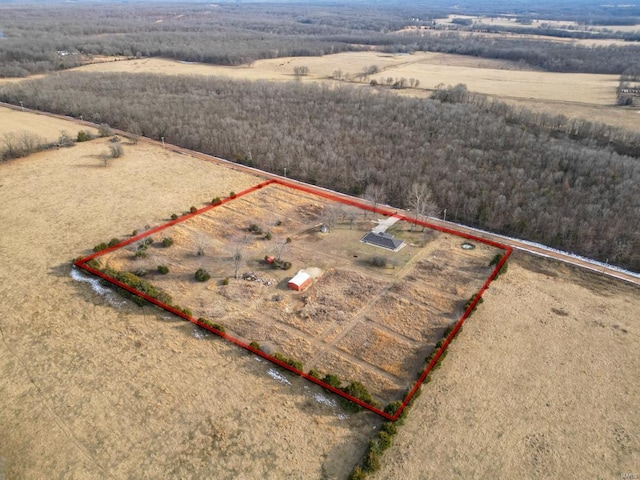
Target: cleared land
15	122
541	383
344	324
491	77
588	96
89	390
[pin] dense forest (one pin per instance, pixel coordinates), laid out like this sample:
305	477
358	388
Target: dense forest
544	179
59	36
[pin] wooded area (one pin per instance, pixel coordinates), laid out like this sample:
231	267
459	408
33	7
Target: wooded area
59	36
487	167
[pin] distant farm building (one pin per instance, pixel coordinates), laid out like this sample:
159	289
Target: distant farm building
383	240
300	281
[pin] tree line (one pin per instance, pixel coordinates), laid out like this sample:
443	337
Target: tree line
545	55
60	36
620	140
487	168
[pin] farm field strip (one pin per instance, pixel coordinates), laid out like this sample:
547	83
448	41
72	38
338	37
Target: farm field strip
502	79
339	325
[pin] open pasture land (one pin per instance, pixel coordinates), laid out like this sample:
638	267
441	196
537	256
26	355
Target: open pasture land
15	122
91	389
491	77
591	96
372	315
541	383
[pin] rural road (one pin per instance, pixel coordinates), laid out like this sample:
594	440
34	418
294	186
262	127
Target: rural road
535	249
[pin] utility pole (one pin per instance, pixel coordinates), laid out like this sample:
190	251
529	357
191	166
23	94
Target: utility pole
162	138
285	172
445	215
21	105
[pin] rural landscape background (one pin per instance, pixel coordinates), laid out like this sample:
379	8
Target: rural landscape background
517	119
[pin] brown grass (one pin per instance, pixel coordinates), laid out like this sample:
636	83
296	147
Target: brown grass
14	122
334	316
93	391
542	382
590	96
491	77
510	21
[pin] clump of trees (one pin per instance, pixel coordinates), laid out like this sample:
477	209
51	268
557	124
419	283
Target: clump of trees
139	284
537	177
21	144
300	70
214	325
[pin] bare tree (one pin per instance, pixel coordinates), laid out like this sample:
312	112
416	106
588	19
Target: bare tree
330	216
11	149
237	248
116	150
65	139
367	72
375	194
351	216
281	247
104	130
420	200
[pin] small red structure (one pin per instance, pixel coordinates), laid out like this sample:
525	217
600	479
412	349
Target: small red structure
300	281
268	259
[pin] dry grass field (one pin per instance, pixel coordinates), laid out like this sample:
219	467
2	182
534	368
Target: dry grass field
584	42
589	96
92	391
541	383
341	324
492	77
15	122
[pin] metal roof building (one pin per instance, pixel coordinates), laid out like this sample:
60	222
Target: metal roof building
300	281
383	240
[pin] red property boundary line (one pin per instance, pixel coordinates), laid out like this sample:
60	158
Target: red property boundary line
82	263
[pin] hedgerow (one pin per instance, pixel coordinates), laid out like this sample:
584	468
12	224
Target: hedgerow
289	361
